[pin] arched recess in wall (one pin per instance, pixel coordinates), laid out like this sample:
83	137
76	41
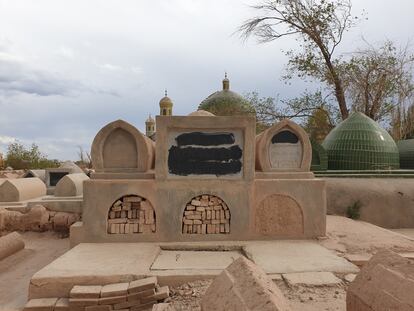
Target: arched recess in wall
120	146
131	214
283	147
206	214
279	215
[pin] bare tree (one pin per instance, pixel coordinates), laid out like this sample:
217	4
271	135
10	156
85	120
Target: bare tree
319	25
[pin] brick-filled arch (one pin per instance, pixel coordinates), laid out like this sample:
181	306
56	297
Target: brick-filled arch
131	214
206	214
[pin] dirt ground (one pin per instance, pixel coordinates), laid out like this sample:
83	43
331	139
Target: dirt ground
17	270
344	236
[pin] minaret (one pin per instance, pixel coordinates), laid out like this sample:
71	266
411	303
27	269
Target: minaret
226	83
166	105
149	126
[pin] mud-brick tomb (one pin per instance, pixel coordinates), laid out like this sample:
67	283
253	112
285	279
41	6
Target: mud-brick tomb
208	183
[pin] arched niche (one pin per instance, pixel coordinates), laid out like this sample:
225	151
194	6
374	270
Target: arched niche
206	214
283	147
131	214
279	215
119	146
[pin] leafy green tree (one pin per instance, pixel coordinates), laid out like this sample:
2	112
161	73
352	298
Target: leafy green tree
319	26
19	157
318	125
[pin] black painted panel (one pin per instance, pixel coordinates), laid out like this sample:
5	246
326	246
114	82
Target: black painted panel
205	139
177	154
285	137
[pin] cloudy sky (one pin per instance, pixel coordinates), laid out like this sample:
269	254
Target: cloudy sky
69	67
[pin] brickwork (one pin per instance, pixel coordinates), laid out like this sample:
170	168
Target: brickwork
131	214
206	214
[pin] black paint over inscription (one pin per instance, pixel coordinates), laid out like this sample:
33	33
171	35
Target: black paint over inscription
285	137
177	154
205	139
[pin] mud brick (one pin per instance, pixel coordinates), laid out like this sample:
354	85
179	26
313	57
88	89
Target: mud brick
112	300
149	216
205	197
116	228
142	216
132	199
153	227
227	227
116	209
142	285
162	293
62	305
203	215
111	214
197	222
217	207
42	304
99	308
187	221
210	229
227	212
133	221
141	294
190	229
222	214
129	215
203	228
204	203
121	228
134	214
117	221
90	291
222	228
146	229
118	214
82	302
135	228
149	299
126	305
225	207
186	213
215	221
200	209
195	203
123	214
126	206
140	228
190	208
114	290
217	229
208	215
118	203
111	228
184	229
195	216
213	215
126	228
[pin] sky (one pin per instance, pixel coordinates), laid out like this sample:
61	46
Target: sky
69	67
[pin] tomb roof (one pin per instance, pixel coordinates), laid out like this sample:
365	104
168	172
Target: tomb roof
360	143
226	102
406	149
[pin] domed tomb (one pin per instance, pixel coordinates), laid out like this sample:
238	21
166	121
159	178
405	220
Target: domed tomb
406	149
226	102
359	143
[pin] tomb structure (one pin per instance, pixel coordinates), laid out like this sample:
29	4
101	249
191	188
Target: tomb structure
207	178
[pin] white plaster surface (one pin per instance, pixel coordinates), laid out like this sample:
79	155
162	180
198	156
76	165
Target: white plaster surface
190	260
285	155
296	256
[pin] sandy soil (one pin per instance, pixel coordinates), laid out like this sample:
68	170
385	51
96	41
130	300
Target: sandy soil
17	270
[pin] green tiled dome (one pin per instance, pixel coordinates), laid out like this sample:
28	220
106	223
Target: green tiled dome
359	143
226	102
406	148
319	157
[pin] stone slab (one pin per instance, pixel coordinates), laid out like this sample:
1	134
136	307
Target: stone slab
193	260
85	291
312	279
43	304
114	290
296	256
93	264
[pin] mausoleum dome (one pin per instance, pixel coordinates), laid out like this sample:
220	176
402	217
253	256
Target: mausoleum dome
166	102
406	149
359	143
201	113
226	102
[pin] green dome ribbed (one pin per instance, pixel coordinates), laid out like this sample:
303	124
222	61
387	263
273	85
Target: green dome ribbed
406	149
226	102
359	143
319	157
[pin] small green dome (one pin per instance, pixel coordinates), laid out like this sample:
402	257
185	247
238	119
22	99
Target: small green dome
406	149
359	143
319	157
226	102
